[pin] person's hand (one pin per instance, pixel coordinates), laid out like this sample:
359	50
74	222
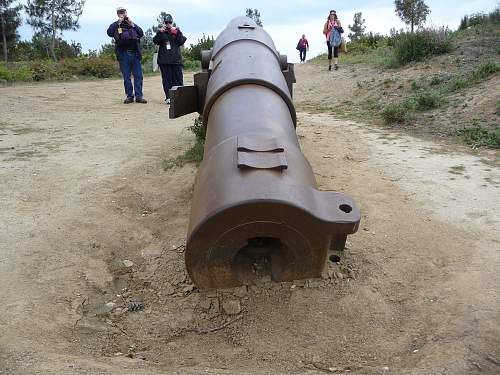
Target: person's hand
162	29
130	22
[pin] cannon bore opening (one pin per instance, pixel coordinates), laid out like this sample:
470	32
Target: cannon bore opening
260	257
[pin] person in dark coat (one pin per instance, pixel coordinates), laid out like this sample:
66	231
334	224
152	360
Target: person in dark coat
127	37
170	39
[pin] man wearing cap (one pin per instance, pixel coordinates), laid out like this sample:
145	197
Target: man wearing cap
170	39
127	35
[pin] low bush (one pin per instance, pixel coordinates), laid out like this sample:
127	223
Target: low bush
427	100
414	47
395	113
479	136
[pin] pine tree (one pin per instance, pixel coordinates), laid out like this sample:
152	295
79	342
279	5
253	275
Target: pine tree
10	20
358	28
255	15
52	16
412	12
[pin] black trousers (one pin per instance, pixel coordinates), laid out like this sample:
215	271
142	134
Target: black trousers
335	51
171	75
302	54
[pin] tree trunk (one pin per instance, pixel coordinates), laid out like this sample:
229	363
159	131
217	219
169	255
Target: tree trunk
53	38
4	39
411	26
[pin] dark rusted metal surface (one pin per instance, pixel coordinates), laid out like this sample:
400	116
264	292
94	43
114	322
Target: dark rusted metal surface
256	209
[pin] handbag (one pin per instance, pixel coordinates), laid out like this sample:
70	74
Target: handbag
155	59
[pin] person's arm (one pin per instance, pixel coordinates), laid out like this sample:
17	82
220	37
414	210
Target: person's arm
112	29
180	38
140	33
158	38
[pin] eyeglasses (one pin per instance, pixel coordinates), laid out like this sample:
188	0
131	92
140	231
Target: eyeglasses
168	21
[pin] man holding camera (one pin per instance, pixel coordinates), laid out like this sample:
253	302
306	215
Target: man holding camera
127	35
169	38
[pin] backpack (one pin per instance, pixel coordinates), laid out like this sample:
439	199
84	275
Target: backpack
126	35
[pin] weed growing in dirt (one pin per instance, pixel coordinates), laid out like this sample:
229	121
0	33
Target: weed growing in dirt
195	153
479	136
427	100
480	73
395	113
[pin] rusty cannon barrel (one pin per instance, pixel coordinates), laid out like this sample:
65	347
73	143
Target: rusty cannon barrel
256	209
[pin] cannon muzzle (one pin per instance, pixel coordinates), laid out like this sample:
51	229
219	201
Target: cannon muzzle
256	209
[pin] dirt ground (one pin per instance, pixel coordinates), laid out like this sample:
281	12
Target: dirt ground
89	221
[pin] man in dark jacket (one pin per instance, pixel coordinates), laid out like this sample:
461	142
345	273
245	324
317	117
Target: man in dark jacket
127	37
170	39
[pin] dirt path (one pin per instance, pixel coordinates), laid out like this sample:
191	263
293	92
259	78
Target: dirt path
82	190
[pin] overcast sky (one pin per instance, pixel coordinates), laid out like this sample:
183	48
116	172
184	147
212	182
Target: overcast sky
285	21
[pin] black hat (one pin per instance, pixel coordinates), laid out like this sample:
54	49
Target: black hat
168	18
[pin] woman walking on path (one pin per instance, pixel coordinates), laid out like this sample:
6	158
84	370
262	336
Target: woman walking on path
170	39
303	46
332	31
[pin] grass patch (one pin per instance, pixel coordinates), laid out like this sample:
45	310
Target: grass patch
427	100
478	74
195	153
479	136
395	113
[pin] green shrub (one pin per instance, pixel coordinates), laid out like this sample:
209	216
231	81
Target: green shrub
427	100
478	136
99	67
484	70
5	73
198	129
42	70
414	47
395	113
191	64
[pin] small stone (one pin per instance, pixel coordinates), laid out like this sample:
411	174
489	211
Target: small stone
188	288
110	305
240	291
127	263
385	368
205	304
215	306
339	275
231	307
168	289
117	354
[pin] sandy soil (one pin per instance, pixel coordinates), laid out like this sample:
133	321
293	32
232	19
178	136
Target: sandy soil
89	221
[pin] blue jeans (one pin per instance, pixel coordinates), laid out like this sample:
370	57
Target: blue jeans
130	63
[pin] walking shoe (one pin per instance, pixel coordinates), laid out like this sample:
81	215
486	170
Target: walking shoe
167	101
329	67
336	67
128	100
141	100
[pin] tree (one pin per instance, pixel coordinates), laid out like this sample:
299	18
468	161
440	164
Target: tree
52	16
10	20
255	15
358	29
412	12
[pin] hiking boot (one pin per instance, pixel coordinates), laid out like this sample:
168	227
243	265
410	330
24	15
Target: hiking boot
128	100
329	67
336	67
167	101
141	100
